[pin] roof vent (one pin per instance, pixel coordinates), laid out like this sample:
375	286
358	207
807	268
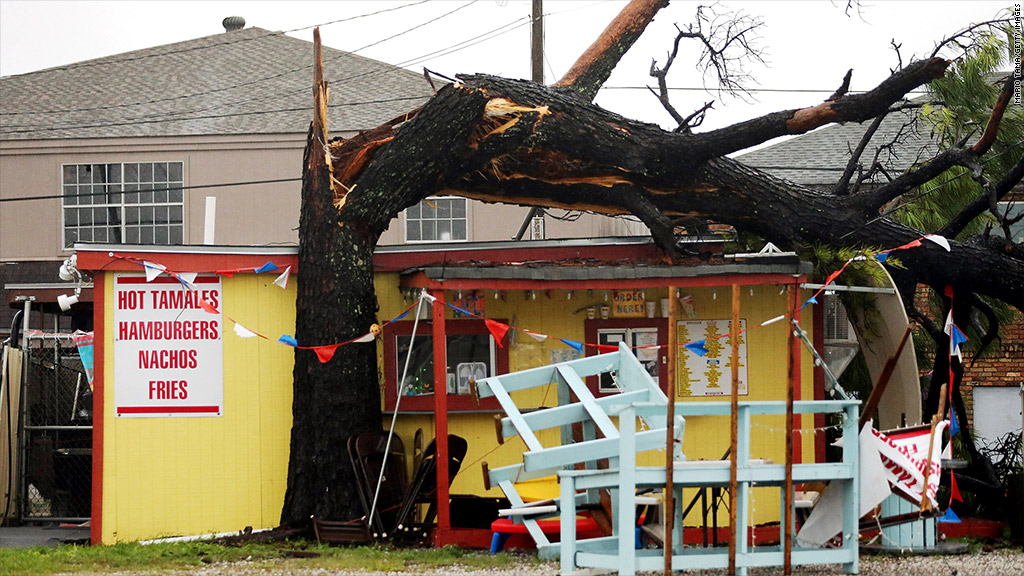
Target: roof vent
232	23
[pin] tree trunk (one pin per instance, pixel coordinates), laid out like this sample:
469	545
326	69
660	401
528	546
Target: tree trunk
335	400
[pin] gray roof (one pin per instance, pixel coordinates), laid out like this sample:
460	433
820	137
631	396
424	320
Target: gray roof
249	81
818	158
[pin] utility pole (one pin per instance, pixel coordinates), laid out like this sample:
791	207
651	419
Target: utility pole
537	43
537	75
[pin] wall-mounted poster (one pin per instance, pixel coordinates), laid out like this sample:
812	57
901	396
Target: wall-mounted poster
711	374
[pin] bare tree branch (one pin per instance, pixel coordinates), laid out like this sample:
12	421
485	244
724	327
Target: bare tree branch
872	200
728	41
849	108
697	117
966	32
841	187
843	88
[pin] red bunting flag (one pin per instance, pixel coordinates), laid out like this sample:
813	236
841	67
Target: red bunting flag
834	275
911	244
954	492
325	353
497	329
208	307
606	348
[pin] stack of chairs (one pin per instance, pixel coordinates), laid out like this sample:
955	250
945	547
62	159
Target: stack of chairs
398	497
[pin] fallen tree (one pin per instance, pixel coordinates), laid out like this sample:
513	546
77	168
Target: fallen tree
518	142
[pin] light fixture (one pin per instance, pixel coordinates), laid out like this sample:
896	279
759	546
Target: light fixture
66	302
69	273
69	269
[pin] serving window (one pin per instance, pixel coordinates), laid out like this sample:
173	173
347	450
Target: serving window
471	352
637	333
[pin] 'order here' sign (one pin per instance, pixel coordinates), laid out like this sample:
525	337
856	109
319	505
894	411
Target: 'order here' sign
168	351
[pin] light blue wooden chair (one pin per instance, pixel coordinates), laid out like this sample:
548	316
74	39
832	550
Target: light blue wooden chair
640	409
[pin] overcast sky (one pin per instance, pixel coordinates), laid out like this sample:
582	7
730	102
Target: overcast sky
808	45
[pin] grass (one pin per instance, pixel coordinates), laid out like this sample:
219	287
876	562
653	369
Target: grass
160	558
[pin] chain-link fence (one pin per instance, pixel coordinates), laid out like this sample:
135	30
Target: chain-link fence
56	465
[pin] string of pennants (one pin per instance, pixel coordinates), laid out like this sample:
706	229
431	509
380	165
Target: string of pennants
498	329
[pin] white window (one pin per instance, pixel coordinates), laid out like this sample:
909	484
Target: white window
440	219
123	203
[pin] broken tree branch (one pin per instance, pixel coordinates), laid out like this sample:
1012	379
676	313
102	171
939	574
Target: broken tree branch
594	67
849	108
989	136
843	88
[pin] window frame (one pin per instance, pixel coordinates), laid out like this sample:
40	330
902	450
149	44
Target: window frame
425	402
165	209
435	219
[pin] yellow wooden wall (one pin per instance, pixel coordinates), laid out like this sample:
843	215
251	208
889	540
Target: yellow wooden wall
560	317
183	476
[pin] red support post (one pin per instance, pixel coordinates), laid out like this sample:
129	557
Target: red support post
444	525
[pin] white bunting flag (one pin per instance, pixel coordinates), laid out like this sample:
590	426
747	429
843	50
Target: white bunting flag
537	337
282	280
368	337
951	330
940	240
188	279
153	270
244	332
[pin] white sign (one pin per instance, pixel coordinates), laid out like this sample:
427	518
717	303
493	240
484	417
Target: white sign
168	351
905	454
711	374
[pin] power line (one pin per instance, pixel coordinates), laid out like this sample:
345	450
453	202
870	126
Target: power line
178	115
139	121
103	61
242	85
494	33
489	35
171	189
